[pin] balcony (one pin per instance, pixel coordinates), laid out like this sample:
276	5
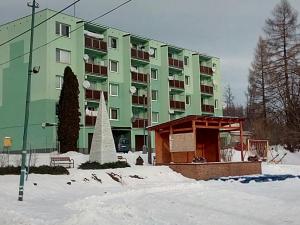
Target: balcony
176	84
206	70
175	63
96	70
207	89
94	95
139	54
139	123
207	108
90	120
139	78
139	100
177	105
95	44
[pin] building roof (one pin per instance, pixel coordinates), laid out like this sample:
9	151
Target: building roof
222	121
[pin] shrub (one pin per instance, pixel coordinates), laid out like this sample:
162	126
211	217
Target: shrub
55	170
97	166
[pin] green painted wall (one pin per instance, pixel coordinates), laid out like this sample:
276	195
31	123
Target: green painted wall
45	95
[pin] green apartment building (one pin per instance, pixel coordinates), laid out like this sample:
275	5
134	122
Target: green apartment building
117	63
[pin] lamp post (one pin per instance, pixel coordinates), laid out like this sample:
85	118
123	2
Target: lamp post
144	125
34	5
149	113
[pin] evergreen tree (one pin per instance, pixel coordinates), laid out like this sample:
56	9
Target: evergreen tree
68	112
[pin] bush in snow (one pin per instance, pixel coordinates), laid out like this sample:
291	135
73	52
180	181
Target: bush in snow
97	166
55	170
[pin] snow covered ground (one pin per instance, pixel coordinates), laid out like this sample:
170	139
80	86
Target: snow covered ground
162	197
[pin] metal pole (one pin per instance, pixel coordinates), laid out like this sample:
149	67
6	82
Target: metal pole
23	169
149	113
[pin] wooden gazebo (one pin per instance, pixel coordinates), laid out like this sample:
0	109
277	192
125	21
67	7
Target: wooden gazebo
182	140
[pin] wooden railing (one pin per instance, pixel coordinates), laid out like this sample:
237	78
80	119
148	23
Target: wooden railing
206	70
176	84
139	54
176	63
139	100
139	77
139	123
207	108
95	43
177	105
95	94
95	69
90	120
207	89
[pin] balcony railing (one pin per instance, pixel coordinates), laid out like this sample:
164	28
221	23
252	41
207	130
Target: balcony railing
206	70
139	123
95	43
207	89
96	69
177	105
176	63
139	100
207	108
90	120
139	54
176	84
95	95
139	77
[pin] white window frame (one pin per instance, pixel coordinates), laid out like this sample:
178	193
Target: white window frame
110	67
187	60
110	42
60	29
188	97
110	113
157	117
216	103
156	95
187	78
156	72
61	81
59	51
110	89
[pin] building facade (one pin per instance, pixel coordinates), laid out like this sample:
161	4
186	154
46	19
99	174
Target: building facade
121	65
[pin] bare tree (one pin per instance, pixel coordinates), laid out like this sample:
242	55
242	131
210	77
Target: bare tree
283	43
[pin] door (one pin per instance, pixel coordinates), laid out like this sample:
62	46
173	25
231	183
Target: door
90	138
139	142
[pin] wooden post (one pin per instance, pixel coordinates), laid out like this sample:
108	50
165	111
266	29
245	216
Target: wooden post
241	141
195	139
171	132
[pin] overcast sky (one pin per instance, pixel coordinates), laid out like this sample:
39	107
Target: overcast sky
228	29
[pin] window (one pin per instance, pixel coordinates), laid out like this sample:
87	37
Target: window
188	99
187	80
172	97
153	51
170	55
113	66
216	103
62	29
56	108
113	89
155	118
113	42
186	60
154	74
59	81
63	56
154	95
114	113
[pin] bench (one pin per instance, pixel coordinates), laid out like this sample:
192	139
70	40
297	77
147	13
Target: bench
121	158
57	161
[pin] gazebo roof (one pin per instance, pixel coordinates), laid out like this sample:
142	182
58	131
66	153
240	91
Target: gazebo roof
202	121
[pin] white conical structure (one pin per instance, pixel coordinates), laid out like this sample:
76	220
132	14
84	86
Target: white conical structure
103	148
